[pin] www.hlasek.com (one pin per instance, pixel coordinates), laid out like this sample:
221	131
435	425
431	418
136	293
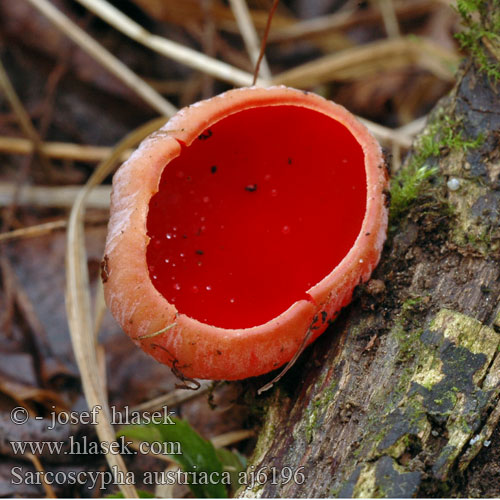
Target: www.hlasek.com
90	479
84	446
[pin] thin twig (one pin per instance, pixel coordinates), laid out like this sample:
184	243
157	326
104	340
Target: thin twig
232	437
175	51
49	491
154	334
174	398
45	228
48	108
249	35
290	363
33	231
22	117
264	41
104	57
46	363
260	15
8	295
58	150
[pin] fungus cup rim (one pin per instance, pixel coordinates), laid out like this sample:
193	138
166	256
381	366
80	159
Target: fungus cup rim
191	347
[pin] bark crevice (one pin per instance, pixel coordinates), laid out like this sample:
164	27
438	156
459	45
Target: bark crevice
401	393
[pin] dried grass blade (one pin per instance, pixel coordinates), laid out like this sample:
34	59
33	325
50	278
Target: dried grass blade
78	300
33	231
103	56
59	150
387	135
365	60
389	17
347	18
52	196
175	51
232	437
413	128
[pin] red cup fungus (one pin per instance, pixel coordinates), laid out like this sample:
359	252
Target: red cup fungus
241	225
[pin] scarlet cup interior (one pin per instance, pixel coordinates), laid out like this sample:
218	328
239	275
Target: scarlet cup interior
258	209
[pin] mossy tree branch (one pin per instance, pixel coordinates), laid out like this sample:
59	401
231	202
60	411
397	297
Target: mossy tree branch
399	396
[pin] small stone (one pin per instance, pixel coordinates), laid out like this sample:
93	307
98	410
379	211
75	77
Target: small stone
453	184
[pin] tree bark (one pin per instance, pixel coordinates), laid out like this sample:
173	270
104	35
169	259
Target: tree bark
403	391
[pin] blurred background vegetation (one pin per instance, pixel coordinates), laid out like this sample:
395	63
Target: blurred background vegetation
76	77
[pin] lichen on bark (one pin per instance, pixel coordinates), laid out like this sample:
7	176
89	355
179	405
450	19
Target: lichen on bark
397	398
